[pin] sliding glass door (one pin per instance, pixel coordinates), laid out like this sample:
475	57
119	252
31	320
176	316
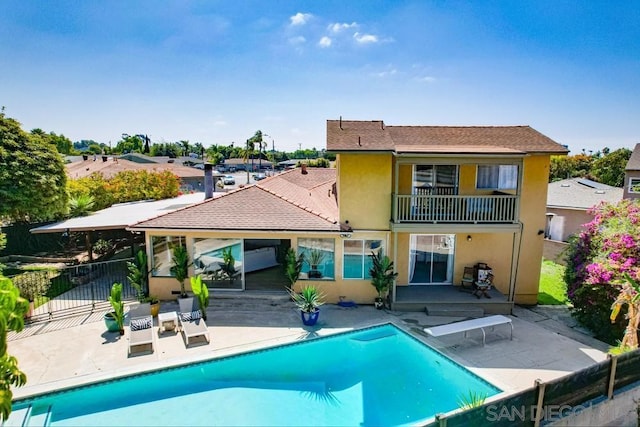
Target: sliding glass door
431	259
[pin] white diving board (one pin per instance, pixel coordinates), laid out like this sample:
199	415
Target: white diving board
470	325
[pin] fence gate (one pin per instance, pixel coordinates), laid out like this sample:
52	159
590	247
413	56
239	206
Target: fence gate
74	290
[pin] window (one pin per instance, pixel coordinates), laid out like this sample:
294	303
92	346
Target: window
319	258
211	258
634	185
435	179
497	177
356	259
162	247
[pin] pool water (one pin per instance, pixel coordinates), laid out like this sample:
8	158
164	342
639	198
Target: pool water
373	376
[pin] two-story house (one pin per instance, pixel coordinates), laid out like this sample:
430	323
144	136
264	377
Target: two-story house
434	199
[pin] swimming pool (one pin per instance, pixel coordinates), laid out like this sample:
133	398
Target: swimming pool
374	376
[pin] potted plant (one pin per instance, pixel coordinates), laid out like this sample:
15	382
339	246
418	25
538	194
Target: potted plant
382	277
316	256
139	278
293	266
201	292
309	302
180	267
115	319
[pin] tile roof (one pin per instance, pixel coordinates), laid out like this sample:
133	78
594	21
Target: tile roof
634	161
579	193
346	135
290	201
112	166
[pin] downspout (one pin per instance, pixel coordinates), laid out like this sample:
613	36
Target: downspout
515	261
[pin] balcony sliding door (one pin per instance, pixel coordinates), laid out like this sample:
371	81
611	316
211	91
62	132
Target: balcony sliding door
435	180
431	259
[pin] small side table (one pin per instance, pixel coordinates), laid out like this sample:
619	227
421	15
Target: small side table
167	322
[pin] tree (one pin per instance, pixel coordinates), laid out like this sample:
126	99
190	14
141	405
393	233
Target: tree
12	311
598	260
32	176
609	169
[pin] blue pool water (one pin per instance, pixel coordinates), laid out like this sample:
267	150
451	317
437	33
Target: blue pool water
374	376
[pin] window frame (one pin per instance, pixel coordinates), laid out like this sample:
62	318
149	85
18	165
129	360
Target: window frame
365	256
498	186
634	182
306	245
170	241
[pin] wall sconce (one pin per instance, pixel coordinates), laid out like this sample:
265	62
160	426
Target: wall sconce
345	235
469	238
540	232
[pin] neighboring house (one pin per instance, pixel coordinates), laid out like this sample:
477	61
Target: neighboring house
435	199
252	165
191	179
632	175
568	202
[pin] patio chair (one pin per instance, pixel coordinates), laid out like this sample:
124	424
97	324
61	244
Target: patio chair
468	279
191	321
140	326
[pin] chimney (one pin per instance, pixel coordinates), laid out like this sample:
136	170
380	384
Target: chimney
208	181
304	168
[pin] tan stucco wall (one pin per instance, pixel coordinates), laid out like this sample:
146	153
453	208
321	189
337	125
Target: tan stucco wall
567	222
532	214
364	190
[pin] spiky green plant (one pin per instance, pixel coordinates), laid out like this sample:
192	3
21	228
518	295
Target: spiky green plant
308	300
472	399
381	272
293	265
81	205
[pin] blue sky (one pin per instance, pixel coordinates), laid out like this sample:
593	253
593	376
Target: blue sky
217	71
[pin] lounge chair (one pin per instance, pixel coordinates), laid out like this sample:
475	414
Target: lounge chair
191	321
140	326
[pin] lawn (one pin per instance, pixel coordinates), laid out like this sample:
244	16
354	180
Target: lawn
553	290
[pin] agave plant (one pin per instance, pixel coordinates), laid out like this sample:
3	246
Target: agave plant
309	300
472	399
81	205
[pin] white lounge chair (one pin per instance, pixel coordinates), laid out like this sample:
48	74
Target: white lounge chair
140	326
191	321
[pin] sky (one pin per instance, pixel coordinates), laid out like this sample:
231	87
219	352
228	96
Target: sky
215	72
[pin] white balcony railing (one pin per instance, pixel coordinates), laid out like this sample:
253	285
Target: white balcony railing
455	209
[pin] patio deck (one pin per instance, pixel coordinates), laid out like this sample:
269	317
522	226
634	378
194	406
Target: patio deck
448	300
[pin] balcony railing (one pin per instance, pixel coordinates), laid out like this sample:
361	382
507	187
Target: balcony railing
455	209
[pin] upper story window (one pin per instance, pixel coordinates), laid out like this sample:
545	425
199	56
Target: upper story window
634	185
497	177
435	179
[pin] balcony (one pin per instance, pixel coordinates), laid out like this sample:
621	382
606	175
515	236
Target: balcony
468	209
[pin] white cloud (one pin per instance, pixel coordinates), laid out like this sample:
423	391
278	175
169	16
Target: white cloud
324	42
297	40
300	18
387	73
365	38
426	79
338	27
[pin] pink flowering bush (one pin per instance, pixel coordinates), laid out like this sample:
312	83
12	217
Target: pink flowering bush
597	260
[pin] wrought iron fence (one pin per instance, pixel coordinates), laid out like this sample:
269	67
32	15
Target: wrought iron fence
61	292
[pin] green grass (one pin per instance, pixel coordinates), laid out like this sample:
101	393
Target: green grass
553	290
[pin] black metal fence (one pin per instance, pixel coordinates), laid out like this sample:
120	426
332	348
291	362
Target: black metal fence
69	291
553	399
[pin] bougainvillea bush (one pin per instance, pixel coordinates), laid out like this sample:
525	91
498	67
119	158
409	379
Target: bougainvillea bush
597	260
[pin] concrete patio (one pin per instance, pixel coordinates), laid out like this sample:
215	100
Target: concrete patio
79	350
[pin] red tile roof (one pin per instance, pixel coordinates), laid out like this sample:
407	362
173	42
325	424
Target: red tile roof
346	135
290	201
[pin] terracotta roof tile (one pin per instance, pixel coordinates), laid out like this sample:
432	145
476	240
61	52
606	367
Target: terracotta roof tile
343	135
289	201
